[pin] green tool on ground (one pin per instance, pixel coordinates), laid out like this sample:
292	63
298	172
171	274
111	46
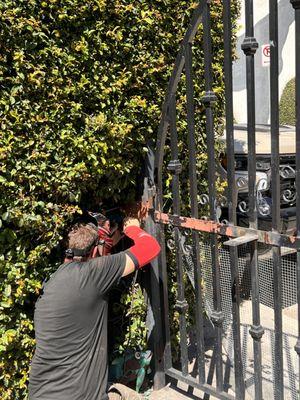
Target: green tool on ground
131	367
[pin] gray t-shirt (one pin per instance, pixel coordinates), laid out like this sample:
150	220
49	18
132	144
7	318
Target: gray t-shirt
70	360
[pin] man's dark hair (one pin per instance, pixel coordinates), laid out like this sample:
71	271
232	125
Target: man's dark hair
82	238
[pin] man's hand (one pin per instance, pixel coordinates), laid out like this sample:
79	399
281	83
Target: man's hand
130	221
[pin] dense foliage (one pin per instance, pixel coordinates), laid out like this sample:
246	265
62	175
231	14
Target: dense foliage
82	85
287	110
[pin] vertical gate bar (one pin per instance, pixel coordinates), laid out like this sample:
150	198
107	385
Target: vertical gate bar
162	259
232	202
296	5
249	47
208	99
157	333
275	178
194	210
181	304
232	192
158	202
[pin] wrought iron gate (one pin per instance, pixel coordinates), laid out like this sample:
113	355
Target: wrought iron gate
199	248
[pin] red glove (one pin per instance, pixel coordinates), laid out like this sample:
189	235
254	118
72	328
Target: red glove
145	247
104	236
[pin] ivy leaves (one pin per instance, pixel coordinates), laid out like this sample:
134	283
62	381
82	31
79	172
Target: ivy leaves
81	89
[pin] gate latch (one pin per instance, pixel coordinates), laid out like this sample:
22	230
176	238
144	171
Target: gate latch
241	240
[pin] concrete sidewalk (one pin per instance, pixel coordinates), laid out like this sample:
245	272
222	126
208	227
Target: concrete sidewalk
181	392
171	393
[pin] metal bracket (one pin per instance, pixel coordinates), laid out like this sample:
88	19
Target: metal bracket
241	240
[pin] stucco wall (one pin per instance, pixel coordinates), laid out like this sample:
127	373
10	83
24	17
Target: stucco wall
262	74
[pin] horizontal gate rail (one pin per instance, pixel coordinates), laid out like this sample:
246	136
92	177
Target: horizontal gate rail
189	380
208	226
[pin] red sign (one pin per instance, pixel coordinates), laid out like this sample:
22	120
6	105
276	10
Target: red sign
265	55
266	51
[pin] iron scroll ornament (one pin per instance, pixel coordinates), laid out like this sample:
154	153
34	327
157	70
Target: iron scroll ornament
262	202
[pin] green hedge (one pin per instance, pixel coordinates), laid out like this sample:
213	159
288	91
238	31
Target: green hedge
287	111
82	85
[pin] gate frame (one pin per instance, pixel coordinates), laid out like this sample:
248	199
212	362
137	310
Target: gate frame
239	235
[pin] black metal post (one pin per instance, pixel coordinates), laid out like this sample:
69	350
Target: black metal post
156	305
296	5
275	178
162	261
208	100
166	322
181	304
249	47
194	210
232	202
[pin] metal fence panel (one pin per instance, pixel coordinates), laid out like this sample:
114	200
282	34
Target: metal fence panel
241	294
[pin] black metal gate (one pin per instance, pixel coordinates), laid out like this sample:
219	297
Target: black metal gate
184	234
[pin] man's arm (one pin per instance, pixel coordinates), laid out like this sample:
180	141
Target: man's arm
129	266
144	250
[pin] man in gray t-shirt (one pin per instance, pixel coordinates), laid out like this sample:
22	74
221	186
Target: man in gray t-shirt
70	361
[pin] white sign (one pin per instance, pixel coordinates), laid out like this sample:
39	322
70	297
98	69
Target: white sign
265	55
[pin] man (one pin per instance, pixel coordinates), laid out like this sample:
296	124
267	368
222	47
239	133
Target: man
70	361
105	233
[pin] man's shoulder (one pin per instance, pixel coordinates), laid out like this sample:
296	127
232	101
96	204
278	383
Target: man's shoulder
68	269
109	259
